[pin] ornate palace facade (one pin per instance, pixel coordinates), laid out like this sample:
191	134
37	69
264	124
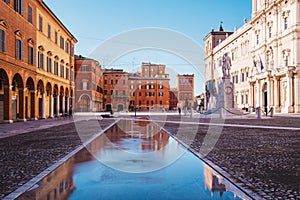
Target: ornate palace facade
265	56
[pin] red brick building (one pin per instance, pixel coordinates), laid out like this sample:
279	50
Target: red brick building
88	84
150	88
173	98
185	84
115	90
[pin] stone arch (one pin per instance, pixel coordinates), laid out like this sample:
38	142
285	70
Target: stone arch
84	102
30	99
5	97
18	109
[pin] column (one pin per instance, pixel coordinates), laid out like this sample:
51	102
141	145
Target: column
289	96
7	118
22	105
269	92
63	104
258	103
57	104
68	105
51	105
250	96
44	105
276	95
32	105
297	91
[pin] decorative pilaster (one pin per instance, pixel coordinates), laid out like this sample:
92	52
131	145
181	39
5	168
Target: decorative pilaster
290	91
297	91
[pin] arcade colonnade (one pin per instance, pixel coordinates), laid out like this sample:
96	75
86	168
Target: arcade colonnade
24	97
278	91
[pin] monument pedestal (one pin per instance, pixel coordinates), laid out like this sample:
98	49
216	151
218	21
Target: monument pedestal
226	99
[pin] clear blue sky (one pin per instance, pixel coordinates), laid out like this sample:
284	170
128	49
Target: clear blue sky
92	22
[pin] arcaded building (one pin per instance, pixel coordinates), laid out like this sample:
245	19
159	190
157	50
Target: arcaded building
88	85
265	58
36	62
149	89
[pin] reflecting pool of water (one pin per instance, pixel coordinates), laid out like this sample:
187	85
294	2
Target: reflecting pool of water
134	160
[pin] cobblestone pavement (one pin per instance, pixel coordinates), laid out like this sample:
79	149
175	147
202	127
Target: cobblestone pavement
264	160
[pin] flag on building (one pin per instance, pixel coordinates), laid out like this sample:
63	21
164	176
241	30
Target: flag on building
254	66
261	64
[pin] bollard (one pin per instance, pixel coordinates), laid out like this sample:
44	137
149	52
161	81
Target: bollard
258	113
192	112
272	112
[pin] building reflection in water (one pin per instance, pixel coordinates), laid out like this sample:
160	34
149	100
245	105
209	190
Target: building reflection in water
215	182
149	149
57	185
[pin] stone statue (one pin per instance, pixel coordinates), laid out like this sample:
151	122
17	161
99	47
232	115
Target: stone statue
226	65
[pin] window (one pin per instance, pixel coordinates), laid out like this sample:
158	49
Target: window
62	71
257	39
55	37
84	85
111	92
49	64
84	68
140	94
19	6
270	32
61	187
49	31
72	50
2	41
105	82
131	87
31	55
19	50
286	60
285	21
67	47
111	82
72	75
30	14
105	92
62	42
160	94
41	60
160	102
56	68
40	24
7	1
67	73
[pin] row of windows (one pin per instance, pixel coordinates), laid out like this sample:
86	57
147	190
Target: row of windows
147	94
52	67
112	82
64	45
148	87
147	103
270	28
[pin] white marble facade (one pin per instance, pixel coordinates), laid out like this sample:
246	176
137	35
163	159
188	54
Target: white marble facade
270	39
